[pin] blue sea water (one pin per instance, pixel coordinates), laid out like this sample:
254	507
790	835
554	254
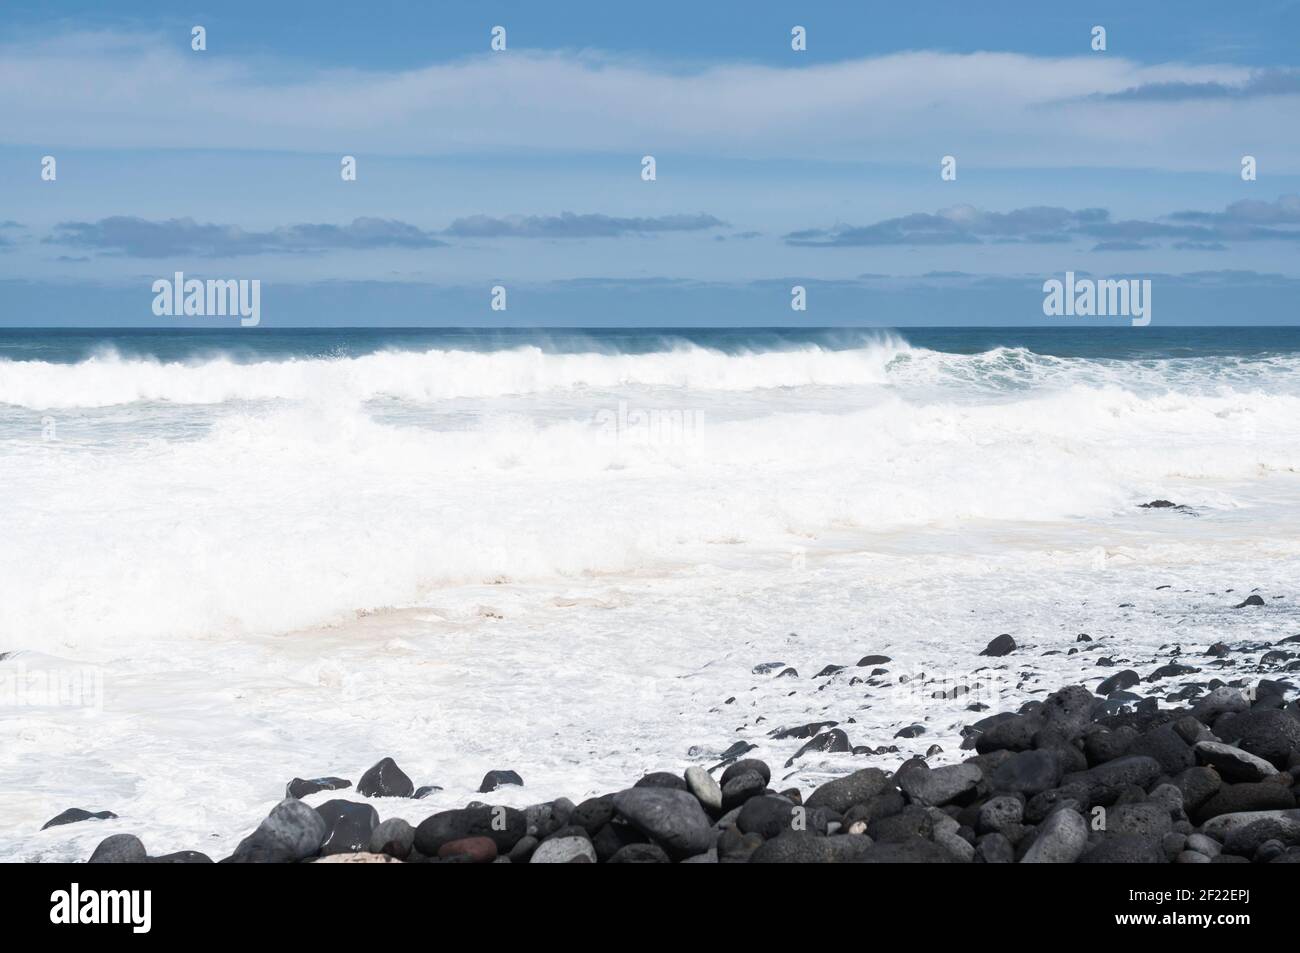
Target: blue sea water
70	345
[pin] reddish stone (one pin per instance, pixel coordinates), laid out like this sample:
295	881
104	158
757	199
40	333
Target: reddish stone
479	850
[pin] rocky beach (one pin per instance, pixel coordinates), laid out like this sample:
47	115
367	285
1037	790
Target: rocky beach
1189	757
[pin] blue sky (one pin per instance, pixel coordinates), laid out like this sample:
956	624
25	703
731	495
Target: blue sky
774	167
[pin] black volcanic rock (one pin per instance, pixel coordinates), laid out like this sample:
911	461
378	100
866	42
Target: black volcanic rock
385	779
1002	645
300	788
349	825
74	814
499	778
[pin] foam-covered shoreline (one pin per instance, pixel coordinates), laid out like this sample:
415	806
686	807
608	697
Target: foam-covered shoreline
1104	776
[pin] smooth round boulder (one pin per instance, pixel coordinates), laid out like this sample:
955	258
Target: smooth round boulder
673	819
119	849
706	790
394	837
564	850
471	850
348	826
860	787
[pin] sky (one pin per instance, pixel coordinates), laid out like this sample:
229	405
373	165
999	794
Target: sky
774	167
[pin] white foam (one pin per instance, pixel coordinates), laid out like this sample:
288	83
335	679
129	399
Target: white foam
109	379
302	514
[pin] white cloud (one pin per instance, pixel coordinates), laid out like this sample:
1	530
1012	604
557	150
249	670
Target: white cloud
116	90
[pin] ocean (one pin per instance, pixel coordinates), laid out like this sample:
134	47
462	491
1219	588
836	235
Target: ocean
280	553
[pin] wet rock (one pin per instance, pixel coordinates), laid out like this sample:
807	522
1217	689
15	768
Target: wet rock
873	660
300	788
499	778
425	790
348	826
290	833
74	814
1118	682
829	670
385	779
1172	670
911	731
801	731
1002	645
766	668
1249	601
834	740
